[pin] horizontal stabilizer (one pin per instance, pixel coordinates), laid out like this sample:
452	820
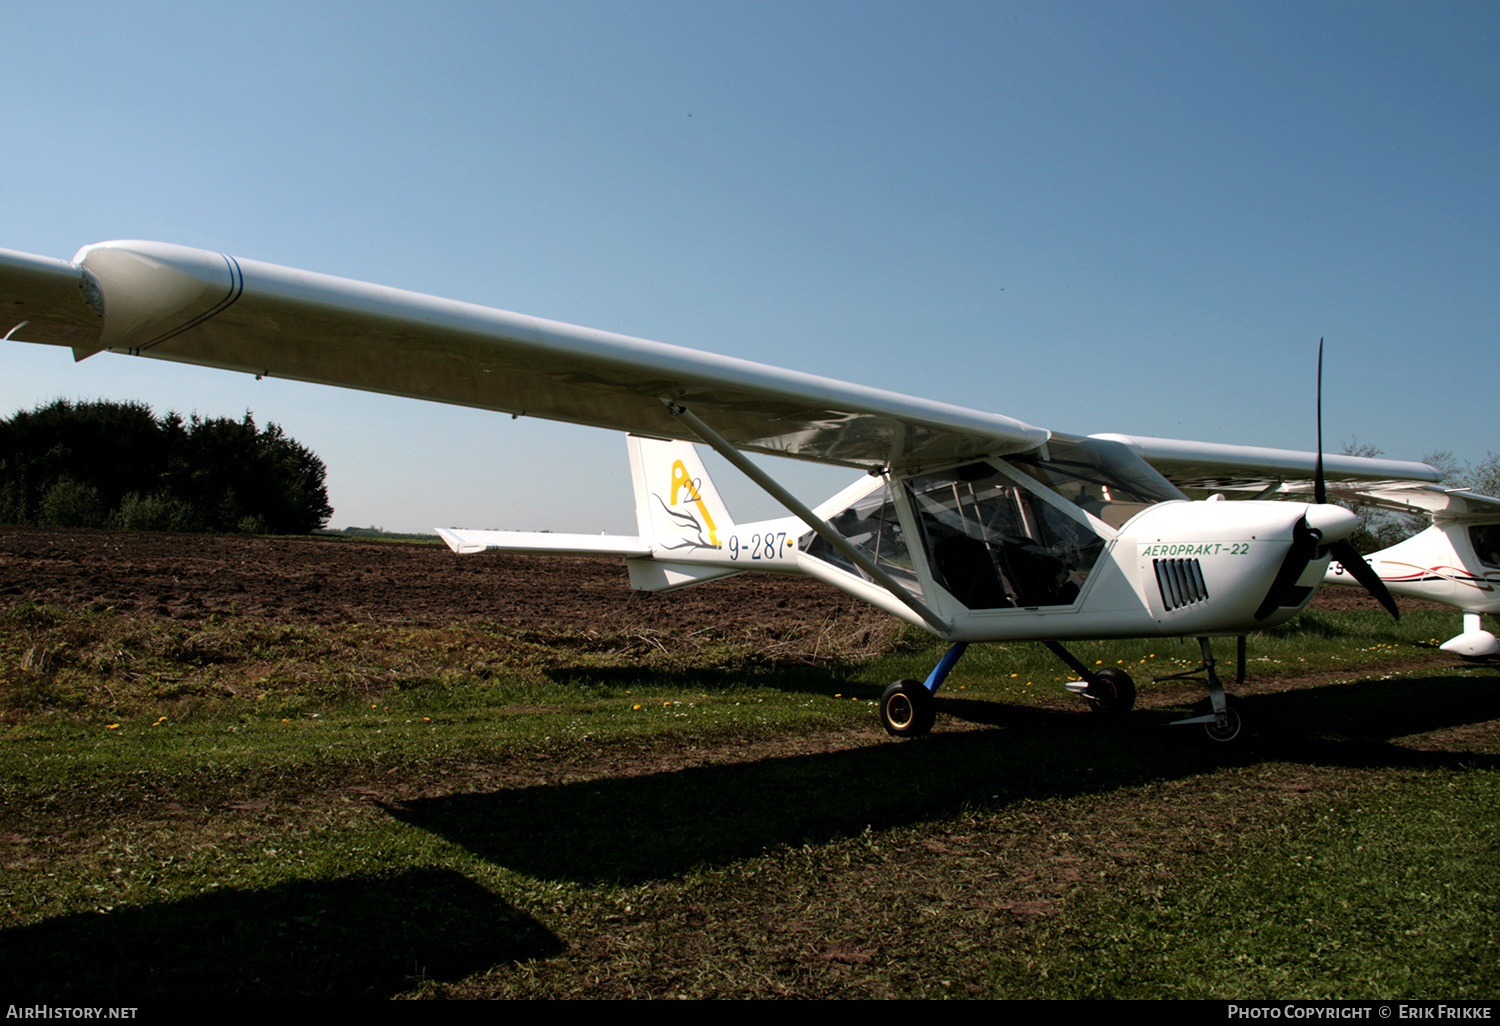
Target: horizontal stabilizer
657	575
466	542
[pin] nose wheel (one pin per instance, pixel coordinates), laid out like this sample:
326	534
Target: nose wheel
907	709
1218	714
1217	731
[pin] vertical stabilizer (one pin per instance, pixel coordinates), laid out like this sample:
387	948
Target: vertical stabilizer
677	508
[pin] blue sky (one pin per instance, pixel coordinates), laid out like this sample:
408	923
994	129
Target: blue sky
1132	217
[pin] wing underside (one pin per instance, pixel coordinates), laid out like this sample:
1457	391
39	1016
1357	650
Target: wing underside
1443	505
199	307
193	306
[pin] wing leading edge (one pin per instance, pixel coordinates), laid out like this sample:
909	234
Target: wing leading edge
194	306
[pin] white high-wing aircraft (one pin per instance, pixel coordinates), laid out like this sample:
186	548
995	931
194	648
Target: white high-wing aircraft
1455	561
972	525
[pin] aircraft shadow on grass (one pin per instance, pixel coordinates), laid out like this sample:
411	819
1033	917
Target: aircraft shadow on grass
374	937
656	826
349	938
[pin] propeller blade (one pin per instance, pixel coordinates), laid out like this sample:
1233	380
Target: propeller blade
1364	573
1320	489
1304	548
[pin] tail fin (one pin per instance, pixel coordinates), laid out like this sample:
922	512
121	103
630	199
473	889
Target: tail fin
679	515
677	508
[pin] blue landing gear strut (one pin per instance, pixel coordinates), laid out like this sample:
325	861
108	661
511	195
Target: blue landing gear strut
908	709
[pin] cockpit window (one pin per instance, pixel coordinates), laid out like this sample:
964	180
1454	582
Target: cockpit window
993	543
1486	541
1101	477
871	525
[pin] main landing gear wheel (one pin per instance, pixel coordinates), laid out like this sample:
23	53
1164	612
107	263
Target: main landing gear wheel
1112	693
907	709
1230	732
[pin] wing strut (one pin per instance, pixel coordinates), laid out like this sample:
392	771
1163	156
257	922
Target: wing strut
717	442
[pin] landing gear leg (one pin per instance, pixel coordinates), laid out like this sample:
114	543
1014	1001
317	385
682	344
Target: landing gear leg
1218	714
907	708
1110	692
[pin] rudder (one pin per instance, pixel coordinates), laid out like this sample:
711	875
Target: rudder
677	507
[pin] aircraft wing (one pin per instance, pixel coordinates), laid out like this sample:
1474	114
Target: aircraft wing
48	300
1211	466
1443	505
194	306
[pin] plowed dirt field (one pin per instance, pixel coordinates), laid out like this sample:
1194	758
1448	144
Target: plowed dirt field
330	579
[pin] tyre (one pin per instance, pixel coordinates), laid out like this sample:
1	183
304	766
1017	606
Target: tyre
1226	734
907	709
1112	693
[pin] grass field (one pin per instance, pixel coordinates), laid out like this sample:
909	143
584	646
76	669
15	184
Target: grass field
274	810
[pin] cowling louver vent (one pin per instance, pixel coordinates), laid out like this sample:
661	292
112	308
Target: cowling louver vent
1180	581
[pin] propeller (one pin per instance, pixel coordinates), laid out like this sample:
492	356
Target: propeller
1350	559
1306	542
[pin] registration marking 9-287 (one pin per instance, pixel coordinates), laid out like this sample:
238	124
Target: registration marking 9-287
766	546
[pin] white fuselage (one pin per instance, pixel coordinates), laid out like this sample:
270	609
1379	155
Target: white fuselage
1439	564
1178	568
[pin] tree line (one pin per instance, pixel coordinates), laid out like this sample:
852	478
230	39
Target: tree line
116	464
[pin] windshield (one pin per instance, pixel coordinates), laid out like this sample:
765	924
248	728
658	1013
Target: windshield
1100	477
993	543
